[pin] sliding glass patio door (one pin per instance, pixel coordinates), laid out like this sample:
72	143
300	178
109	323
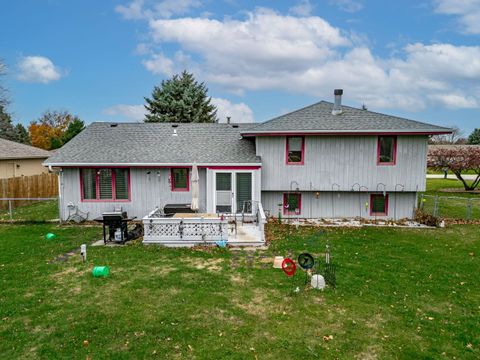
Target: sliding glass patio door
243	192
233	192
223	192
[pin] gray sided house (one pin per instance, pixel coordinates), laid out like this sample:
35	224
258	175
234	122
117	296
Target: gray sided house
325	160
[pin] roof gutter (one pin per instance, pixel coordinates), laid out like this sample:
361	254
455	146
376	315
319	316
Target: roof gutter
25	157
144	165
346	133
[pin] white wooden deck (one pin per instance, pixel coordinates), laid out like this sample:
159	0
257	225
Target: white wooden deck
186	230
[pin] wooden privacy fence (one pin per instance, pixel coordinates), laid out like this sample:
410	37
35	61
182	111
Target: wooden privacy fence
35	186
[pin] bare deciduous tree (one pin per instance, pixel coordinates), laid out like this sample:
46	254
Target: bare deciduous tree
3	91
456	137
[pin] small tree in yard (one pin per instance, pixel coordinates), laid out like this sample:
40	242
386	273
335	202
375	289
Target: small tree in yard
457	159
180	99
474	138
53	129
21	134
7	130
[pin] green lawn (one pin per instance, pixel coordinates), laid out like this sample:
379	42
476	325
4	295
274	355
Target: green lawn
402	293
434	186
39	211
456	206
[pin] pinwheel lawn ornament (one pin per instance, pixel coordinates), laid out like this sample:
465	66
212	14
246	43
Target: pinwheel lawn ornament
289	267
306	262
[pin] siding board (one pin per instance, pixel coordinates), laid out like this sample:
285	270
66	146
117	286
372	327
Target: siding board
342	204
345	160
147	192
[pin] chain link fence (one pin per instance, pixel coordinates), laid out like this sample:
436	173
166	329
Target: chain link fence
450	207
28	209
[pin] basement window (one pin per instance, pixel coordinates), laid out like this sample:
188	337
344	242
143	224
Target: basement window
378	205
292	204
179	179
386	150
295	150
105	184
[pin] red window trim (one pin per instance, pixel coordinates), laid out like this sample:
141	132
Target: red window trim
172	180
371	205
391	163
302	150
97	187
286	210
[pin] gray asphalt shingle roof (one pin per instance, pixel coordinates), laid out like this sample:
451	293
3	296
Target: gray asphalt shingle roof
318	118
13	150
153	143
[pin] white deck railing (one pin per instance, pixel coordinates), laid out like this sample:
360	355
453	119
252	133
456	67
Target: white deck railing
183	230
262	220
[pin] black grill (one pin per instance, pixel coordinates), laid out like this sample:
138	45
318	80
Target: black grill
115	220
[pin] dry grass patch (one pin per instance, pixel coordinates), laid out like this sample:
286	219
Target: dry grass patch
212	264
257	305
370	353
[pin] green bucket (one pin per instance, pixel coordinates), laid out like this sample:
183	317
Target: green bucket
100	271
50	236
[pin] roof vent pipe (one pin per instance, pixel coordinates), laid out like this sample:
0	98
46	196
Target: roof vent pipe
337	107
228	119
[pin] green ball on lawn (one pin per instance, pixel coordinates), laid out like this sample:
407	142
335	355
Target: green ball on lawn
50	236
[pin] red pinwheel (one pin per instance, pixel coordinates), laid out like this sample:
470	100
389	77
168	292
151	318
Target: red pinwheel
289	267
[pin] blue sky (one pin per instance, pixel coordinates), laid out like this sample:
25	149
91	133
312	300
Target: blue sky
259	59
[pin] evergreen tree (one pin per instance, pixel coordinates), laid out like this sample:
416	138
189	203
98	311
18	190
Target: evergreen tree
180	99
21	134
74	128
7	130
474	138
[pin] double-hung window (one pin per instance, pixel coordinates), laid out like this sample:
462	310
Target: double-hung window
292	204
105	184
295	152
379	204
386	150
179	179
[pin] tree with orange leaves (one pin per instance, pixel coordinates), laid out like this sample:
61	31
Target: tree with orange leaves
53	129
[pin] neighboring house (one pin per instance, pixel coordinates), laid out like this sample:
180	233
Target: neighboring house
21	160
324	160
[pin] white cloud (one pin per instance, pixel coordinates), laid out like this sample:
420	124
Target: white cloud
141	9
467	11
159	64
239	113
307	55
350	6
38	69
132	11
456	101
264	39
169	8
131	112
303	8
